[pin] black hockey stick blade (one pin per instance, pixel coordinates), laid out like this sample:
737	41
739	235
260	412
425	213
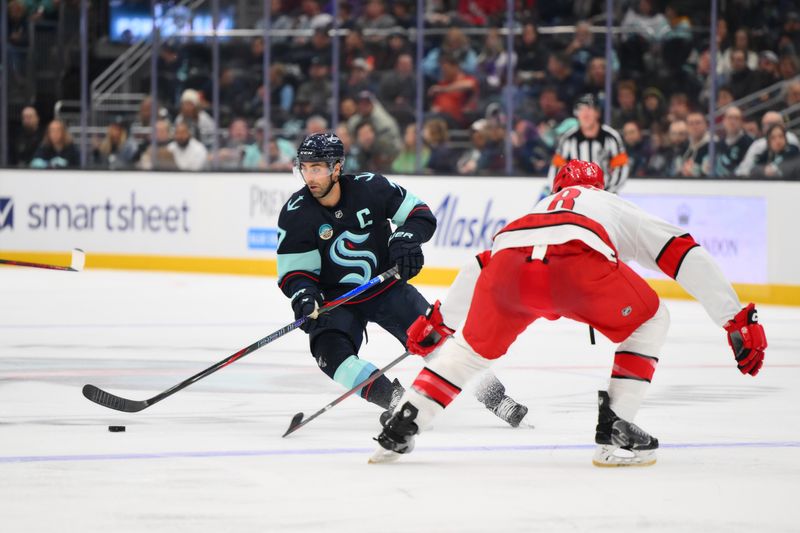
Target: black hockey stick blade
295	423
297	420
101	397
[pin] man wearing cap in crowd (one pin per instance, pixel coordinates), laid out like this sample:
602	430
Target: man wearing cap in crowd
192	113
358	78
767	73
318	89
115	151
387	133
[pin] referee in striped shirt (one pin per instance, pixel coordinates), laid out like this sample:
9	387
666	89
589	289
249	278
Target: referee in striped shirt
592	141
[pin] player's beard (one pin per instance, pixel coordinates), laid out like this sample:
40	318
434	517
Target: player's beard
323	193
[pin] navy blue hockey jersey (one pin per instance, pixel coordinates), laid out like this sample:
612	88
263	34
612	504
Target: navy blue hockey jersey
343	246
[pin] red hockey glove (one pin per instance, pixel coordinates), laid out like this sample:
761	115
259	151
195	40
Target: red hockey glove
747	339
428	332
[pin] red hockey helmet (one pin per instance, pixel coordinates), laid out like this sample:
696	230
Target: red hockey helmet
578	172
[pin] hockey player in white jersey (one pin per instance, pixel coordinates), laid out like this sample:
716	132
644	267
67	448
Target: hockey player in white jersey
567	258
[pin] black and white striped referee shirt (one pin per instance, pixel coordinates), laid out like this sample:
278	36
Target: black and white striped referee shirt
607	150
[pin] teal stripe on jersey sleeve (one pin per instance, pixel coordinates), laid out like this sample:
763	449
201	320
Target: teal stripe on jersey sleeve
307	261
353	371
409	203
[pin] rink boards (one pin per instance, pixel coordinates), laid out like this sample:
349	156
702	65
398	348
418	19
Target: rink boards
227	222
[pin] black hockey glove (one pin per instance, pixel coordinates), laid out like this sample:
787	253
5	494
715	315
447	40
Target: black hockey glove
306	302
405	251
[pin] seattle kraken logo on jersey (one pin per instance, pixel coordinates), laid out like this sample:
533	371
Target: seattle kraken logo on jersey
362	260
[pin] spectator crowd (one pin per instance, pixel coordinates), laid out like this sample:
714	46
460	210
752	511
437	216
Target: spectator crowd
660	68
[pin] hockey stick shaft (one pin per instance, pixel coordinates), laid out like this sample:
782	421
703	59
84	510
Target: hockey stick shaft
76	263
118	403
297	420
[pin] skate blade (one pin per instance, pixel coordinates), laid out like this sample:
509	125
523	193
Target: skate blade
513	424
612	456
525	422
382	455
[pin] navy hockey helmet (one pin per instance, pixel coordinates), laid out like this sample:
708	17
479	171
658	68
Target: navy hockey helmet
321	147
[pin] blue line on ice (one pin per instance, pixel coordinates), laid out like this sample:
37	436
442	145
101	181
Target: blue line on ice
347	451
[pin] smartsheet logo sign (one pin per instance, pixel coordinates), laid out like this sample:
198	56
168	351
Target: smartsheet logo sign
6	213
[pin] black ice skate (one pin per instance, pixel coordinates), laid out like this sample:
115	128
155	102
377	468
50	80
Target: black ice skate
491	393
510	411
397	393
619	442
397	437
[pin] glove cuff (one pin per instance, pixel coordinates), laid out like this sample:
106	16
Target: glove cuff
747	315
406	235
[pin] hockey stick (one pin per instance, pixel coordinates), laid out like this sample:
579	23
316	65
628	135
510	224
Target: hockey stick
297	420
118	403
76	264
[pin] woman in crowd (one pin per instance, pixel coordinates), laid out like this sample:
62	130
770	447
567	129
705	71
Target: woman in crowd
57	149
406	161
442	159
781	159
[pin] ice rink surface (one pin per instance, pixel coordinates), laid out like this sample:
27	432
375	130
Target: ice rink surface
211	457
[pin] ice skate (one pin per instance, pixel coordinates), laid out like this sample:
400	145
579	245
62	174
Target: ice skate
397	437
510	411
619	442
397	393
491	393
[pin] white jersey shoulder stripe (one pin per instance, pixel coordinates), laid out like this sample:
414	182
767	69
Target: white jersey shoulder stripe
552	235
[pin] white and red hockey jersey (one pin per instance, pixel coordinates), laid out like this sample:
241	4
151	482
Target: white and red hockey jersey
615	228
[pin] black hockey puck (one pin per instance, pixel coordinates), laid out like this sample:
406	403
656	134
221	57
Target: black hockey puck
116	429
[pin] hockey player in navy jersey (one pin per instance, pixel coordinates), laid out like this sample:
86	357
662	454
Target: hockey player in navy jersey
336	233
